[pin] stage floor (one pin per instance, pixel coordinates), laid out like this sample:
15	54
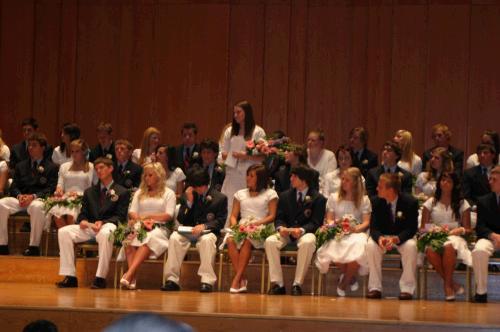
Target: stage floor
20	303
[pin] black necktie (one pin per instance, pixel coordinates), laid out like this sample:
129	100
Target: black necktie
120	169
102	196
34	167
299	199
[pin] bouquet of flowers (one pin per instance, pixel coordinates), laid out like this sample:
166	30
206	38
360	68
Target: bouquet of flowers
337	230
247	229
124	234
268	146
69	200
434	237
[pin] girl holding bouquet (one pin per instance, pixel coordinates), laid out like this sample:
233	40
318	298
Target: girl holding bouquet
74	177
452	213
257	207
352	209
152	207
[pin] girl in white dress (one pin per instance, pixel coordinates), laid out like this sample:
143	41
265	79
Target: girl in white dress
4	150
331	183
448	209
74	177
175	175
62	153
489	137
409	161
440	162
233	151
149	143
257	206
4	176
348	253
154	204
318	157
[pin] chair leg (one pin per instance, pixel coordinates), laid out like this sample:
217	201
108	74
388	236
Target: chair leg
320	283
163	270
47	235
469	283
263	273
312	280
221	261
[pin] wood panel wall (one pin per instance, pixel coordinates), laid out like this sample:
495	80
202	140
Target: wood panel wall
303	64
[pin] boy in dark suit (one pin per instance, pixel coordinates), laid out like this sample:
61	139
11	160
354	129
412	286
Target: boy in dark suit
188	153
475	181
106	146
125	172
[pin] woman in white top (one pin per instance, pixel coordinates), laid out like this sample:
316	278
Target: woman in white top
154	205
233	150
318	157
62	153
348	252
447	208
149	143
175	175
74	177
489	137
4	176
440	162
409	161
331	183
257	206
4	150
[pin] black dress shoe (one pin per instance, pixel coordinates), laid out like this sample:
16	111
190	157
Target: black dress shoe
296	290
277	290
205	288
68	282
374	294
4	250
98	283
481	298
31	251
170	286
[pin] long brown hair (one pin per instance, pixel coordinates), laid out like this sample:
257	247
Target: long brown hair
84	147
249	120
358	189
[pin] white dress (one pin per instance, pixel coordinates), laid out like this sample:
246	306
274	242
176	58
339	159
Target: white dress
72	181
351	247
428	187
254	208
3	166
236	176
59	157
473	161
441	215
416	165
157	239
331	183
174	177
5	153
136	155
327	163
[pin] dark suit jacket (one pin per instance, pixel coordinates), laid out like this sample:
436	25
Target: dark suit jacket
456	154
282	179
309	216
212	212
19	152
218	176
194	158
474	184
368	160
404	226
97	152
130	177
28	181
488	216
114	208
374	174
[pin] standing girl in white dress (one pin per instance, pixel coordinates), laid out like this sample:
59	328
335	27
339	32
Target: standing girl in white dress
233	151
149	143
175	175
154	205
409	161
348	252
447	208
62	153
440	162
74	177
318	157
257	206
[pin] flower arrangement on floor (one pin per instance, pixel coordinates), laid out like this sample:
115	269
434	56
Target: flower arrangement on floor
433	237
69	200
337	230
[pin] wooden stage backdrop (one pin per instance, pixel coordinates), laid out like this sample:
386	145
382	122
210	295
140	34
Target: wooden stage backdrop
302	63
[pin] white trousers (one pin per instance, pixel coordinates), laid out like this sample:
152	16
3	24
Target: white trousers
68	235
306	245
480	257
408	251
178	246
10	205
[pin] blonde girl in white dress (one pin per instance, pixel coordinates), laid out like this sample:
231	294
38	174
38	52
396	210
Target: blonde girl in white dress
409	161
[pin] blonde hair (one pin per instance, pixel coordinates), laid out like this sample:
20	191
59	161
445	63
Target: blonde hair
145	142
358	189
406	145
157	168
446	163
83	146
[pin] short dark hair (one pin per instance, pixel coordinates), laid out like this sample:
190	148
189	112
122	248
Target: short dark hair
125	142
189	125
105	126
41	325
30	122
262	176
208	144
305	173
103	160
143	321
362	132
198	177
72	130
392	180
494	137
40	138
394	147
488	147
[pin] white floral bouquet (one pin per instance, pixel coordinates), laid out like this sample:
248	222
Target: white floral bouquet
68	200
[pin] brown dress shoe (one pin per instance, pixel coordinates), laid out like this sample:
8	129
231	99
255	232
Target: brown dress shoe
374	294
405	296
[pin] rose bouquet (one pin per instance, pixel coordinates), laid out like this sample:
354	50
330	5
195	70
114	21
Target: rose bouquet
433	237
68	200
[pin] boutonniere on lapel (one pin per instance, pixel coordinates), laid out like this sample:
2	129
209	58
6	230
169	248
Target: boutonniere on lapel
112	195
399	215
126	172
210	216
208	199
400	174
109	156
365	162
218	169
40	169
307	199
195	155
